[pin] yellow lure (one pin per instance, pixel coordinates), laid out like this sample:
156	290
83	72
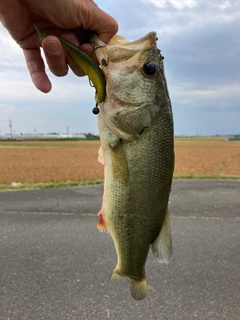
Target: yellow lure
88	65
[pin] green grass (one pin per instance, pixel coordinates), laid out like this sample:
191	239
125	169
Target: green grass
30	186
206	176
198	139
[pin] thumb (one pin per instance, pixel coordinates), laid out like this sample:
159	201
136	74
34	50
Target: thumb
104	25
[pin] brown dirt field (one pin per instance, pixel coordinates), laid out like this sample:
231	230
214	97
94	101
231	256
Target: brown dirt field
61	161
37	161
201	156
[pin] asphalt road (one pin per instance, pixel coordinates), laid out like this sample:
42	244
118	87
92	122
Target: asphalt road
54	264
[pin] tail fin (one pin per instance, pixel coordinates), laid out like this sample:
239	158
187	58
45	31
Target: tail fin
138	287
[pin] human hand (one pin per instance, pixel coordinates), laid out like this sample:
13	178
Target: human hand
70	19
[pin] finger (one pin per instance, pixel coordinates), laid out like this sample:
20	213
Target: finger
102	23
36	68
72	64
106	27
55	56
84	15
86	47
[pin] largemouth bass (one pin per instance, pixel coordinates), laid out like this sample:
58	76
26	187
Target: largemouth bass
136	130
137	149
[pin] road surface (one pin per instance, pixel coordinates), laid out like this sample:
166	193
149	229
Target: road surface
55	264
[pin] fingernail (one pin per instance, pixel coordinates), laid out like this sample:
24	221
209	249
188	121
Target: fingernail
51	47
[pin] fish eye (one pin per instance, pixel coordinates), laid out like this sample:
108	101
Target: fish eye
149	68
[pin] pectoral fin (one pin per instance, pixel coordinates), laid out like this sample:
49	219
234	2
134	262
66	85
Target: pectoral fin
100	155
162	246
119	164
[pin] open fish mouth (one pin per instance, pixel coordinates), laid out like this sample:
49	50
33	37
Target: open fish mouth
125	49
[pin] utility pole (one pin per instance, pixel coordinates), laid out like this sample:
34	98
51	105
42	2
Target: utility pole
10	126
68	131
196	132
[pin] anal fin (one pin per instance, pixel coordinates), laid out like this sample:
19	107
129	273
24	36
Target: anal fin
101	225
162	245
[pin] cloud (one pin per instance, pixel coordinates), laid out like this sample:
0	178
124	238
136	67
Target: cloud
225	97
174	3
6	65
166	17
8	47
63	89
200	42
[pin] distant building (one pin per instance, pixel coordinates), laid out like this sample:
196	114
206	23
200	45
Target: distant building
79	135
49	135
234	138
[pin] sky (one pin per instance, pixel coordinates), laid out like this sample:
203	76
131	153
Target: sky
200	42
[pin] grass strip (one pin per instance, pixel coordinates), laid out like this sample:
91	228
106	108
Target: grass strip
206	176
30	186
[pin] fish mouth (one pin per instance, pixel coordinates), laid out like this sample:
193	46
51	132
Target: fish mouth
120	49
141	44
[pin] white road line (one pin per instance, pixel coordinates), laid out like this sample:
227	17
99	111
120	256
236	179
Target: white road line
95	214
48	213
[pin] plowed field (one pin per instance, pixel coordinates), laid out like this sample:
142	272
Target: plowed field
61	161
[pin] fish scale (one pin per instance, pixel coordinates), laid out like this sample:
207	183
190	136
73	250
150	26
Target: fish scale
136	131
